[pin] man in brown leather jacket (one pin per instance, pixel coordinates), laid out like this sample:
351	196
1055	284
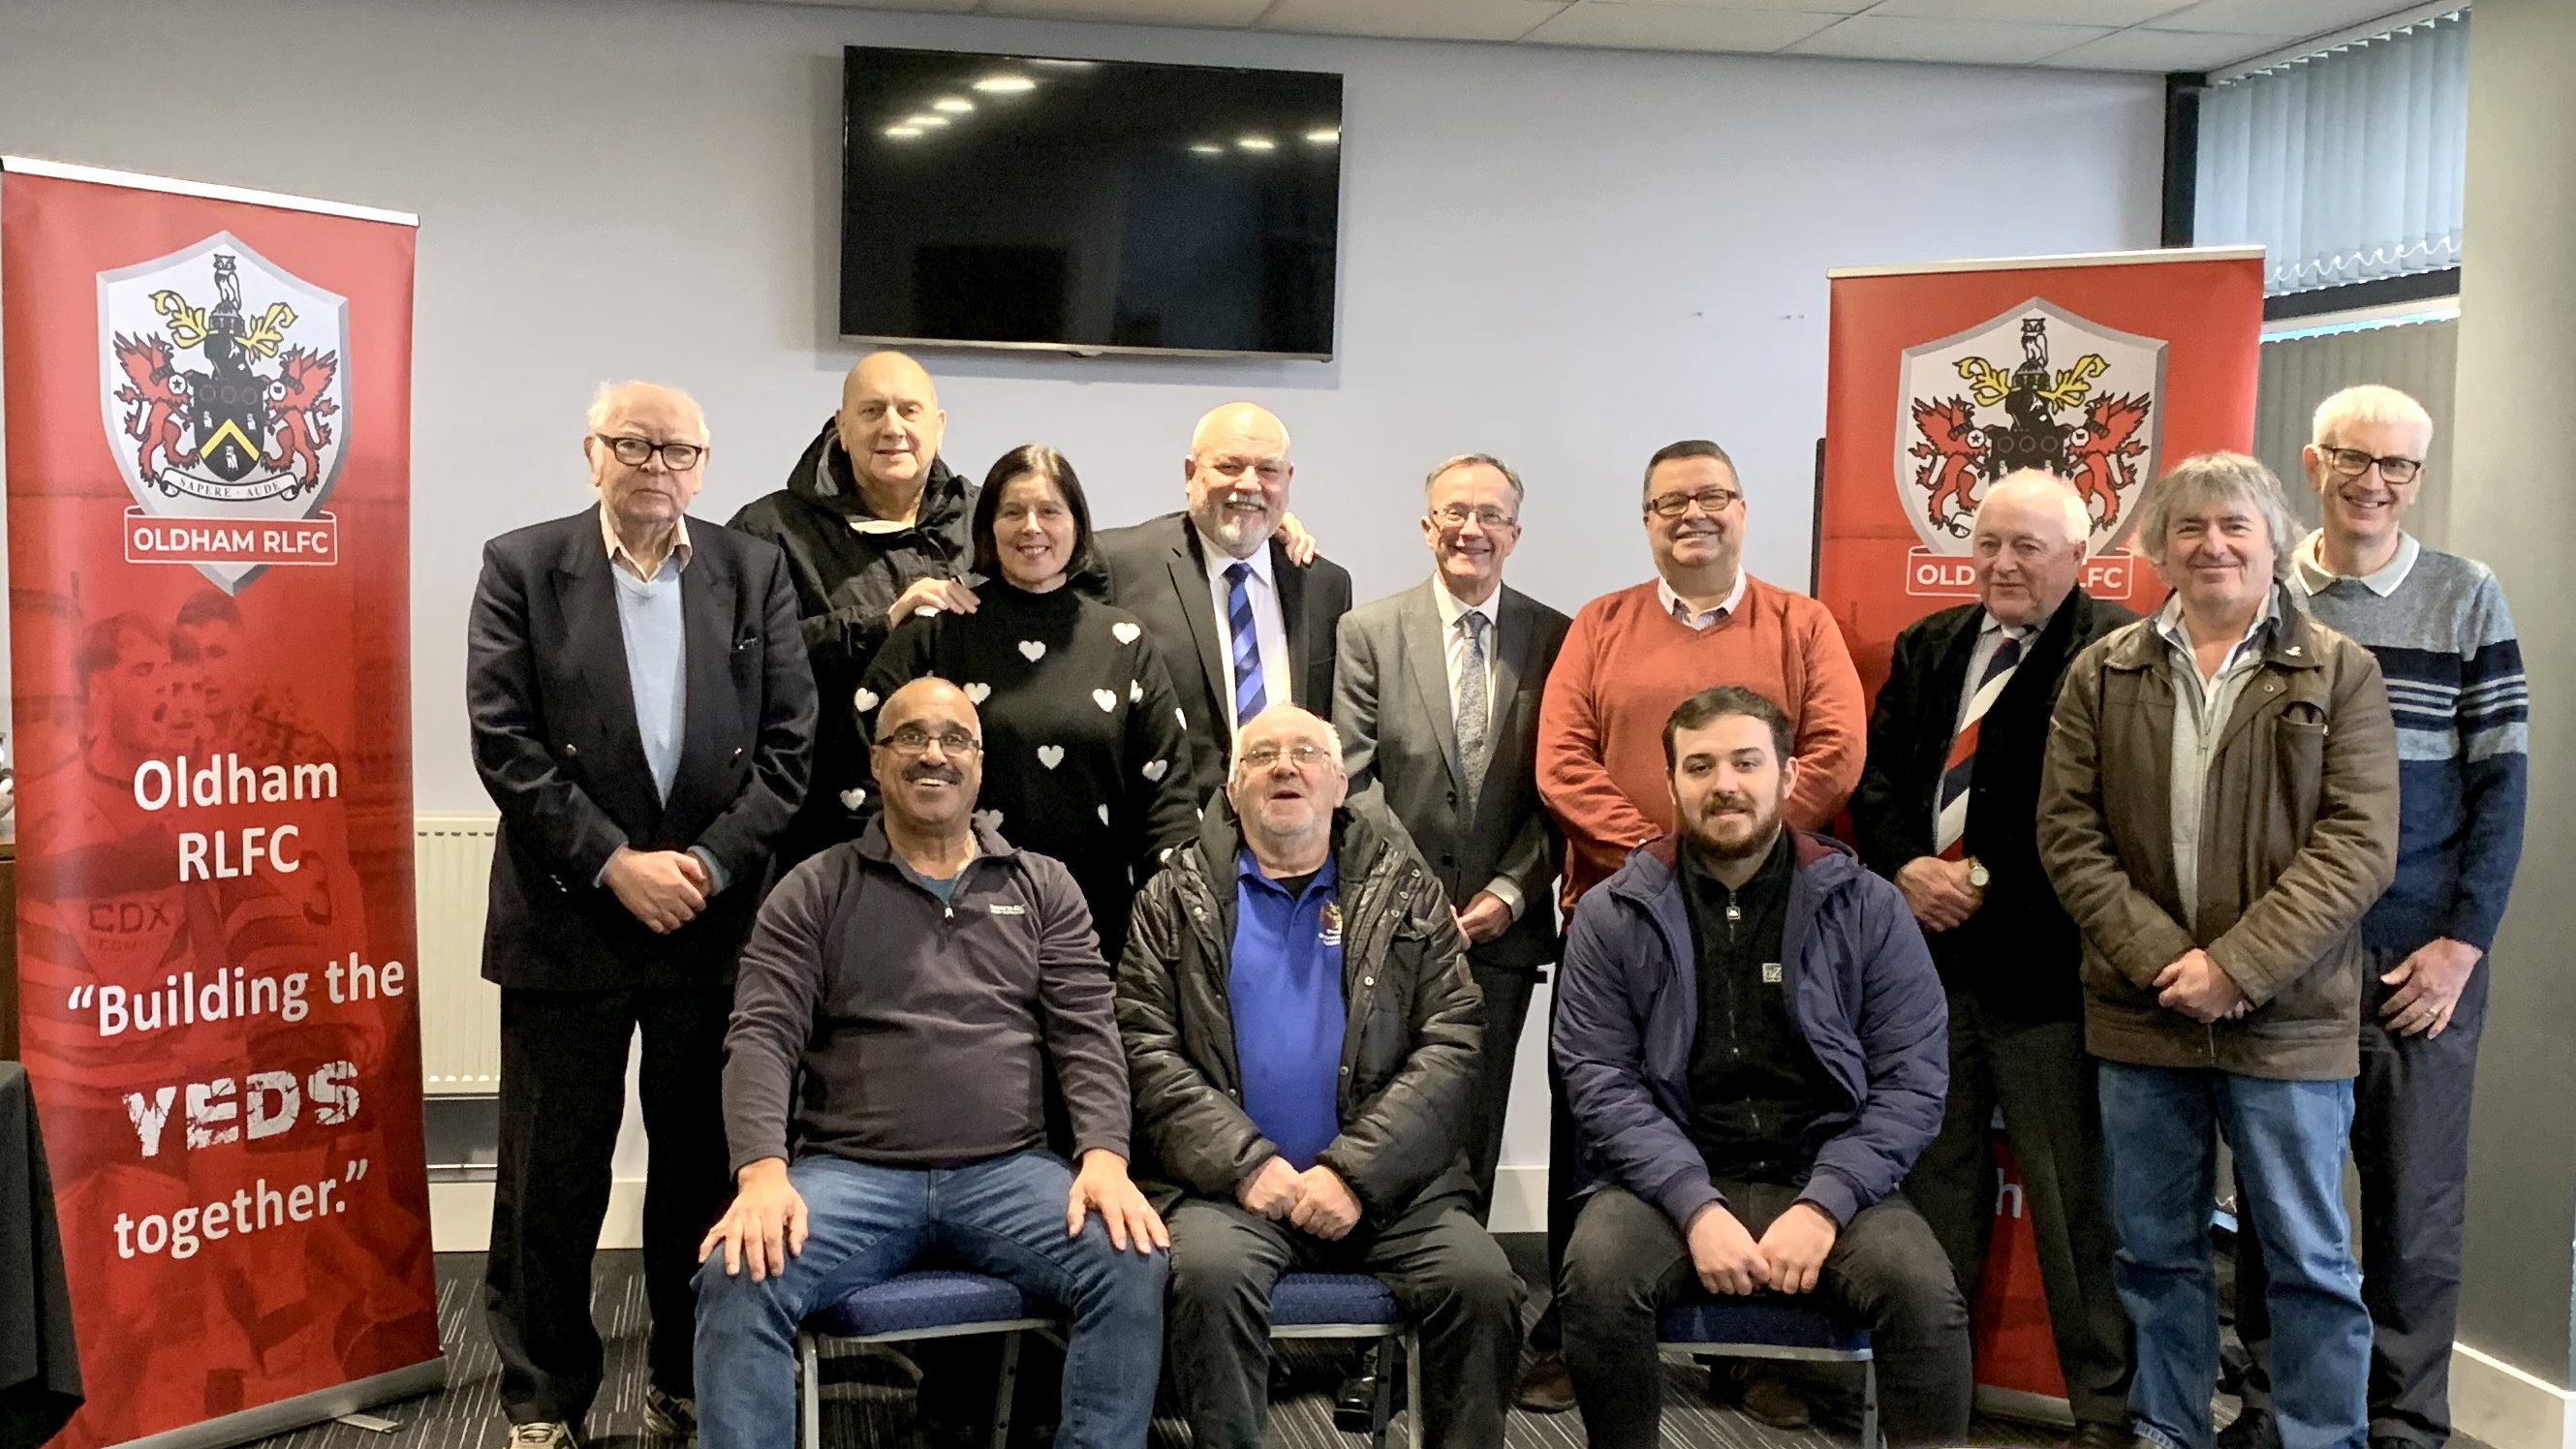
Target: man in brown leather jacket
2218	811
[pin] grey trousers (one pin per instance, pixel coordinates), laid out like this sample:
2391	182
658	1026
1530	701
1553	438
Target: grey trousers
2410	1148
2040	1076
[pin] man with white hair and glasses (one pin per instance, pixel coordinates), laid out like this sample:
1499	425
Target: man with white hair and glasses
2439	627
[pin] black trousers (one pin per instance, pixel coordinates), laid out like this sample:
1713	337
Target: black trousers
563	1094
1627	1263
2039	1075
1564	1180
1446	1272
2410	1148
1507	997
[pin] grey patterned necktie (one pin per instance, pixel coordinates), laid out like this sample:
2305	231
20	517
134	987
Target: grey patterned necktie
1475	748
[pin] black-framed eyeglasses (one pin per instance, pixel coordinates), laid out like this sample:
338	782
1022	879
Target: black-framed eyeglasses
678	457
2353	462
1487	517
1303	756
913	740
1710	500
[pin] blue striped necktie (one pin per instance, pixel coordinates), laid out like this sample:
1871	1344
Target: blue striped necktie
1249	693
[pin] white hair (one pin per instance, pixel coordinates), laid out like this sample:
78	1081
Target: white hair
604	401
1234	758
2366	405
2078	518
2233	477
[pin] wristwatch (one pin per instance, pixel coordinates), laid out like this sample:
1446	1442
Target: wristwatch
1977	873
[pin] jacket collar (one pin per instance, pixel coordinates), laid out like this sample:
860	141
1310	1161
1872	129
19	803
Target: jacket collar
823	478
1358	841
1819	862
872	844
2293	641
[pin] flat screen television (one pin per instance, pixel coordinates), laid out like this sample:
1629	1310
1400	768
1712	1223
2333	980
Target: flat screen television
1088	205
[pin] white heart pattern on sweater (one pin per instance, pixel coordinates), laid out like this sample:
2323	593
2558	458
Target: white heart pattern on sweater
864	700
1032	650
855	796
1104	814
989	819
1135	691
977	693
1107	699
1126	632
1153	770
1050	755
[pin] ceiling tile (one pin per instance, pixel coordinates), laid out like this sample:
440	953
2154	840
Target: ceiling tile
2045	12
2164	50
1678	27
1802	7
1963	42
1413	19
1141	12
2275	17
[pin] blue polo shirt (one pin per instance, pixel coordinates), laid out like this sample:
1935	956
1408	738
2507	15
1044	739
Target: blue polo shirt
1285	989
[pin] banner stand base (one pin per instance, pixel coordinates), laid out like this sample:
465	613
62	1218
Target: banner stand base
2024	1407
287	1415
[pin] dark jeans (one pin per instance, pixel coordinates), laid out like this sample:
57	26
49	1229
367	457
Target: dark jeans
563	1094
1446	1272
2038	1074
1886	1272
1507	996
866	1223
2410	1147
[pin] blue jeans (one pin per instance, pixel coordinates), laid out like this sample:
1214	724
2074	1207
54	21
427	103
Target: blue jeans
1003	1216
2288	1137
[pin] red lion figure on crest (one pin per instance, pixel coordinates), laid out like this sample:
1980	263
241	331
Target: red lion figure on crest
297	408
1952	463
157	396
2099	454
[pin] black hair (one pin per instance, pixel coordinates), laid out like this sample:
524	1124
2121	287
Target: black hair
1719	701
1030	460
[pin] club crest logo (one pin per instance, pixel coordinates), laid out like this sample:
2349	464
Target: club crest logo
2033	387
225	396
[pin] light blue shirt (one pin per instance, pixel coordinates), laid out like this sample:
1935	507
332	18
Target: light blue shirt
657	663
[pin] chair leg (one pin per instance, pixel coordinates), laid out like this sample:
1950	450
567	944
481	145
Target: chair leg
1009	1394
1414	1432
809	1392
1382	1411
1869	1403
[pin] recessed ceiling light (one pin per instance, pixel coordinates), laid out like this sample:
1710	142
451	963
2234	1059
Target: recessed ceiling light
925	118
902	133
1325	136
1052	64
954	105
1256	143
1005	84
1206	148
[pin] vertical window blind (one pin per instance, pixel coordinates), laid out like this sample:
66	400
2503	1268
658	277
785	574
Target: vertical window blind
2345	165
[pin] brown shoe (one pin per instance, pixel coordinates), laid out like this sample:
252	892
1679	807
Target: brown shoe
1764	1393
1547	1388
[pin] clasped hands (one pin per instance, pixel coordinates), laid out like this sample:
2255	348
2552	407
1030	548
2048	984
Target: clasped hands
1786	1260
665	889
2195	986
1315	1201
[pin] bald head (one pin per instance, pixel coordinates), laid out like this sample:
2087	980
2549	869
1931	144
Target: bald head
928	757
2028	545
1237	477
890	425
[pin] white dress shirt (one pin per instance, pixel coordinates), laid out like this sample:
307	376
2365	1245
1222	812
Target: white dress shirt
1453	636
1269	626
1681	612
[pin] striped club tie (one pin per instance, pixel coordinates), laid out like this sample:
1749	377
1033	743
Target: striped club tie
1960	769
1249	693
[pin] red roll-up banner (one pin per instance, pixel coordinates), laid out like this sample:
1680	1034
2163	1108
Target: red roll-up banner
208	446
2104	370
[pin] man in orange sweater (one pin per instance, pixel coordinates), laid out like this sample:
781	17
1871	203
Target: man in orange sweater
1633	655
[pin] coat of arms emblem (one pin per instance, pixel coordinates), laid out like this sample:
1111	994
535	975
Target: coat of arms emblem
224	394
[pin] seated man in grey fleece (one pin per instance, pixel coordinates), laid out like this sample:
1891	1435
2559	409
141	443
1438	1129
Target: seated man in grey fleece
922	979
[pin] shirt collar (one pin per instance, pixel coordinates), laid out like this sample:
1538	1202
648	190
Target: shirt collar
1674	606
2170	628
1451	610
1247	869
1218	560
617	553
1987	623
2309	572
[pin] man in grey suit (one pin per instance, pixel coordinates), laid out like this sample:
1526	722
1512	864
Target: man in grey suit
1436	694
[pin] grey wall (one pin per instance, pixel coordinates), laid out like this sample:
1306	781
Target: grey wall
1563	257
2512	507
2299	373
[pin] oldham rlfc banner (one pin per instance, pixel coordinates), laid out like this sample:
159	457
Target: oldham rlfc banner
2104	370
208	474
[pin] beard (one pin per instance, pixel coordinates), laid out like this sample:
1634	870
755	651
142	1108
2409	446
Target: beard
1732	838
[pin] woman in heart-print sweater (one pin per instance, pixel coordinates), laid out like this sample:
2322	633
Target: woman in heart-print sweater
1084	755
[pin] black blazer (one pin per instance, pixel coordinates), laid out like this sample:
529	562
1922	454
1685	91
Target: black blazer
1400	736
556	743
2019	952
1157	572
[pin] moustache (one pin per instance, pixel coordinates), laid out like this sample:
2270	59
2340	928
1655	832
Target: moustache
944	774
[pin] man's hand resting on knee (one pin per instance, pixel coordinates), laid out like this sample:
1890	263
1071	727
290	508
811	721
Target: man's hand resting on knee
1724	1254
1103	1187
765	1225
1795	1246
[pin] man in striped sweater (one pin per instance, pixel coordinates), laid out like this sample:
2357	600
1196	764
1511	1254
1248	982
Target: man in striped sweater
2438	625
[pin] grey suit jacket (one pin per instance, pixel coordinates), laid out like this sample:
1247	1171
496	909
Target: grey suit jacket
1400	739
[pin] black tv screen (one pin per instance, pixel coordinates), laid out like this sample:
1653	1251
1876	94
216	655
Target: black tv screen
1089	205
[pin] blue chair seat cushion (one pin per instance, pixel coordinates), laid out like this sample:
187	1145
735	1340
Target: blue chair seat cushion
1766	1318
1303	1300
924	1299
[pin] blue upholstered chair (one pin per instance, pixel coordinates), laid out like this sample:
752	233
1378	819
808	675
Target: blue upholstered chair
927	1303
1768	1325
1355	1305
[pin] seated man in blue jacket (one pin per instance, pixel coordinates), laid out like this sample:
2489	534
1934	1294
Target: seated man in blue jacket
1753	1045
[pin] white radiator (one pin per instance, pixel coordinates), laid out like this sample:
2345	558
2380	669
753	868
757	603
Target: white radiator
460	1012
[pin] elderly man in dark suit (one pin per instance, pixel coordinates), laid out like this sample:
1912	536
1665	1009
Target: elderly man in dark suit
643	714
1946	809
1243	623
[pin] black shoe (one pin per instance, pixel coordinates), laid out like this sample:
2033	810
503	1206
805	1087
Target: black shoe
1546	1388
2104	1436
1355	1403
2252	1429
668	1416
